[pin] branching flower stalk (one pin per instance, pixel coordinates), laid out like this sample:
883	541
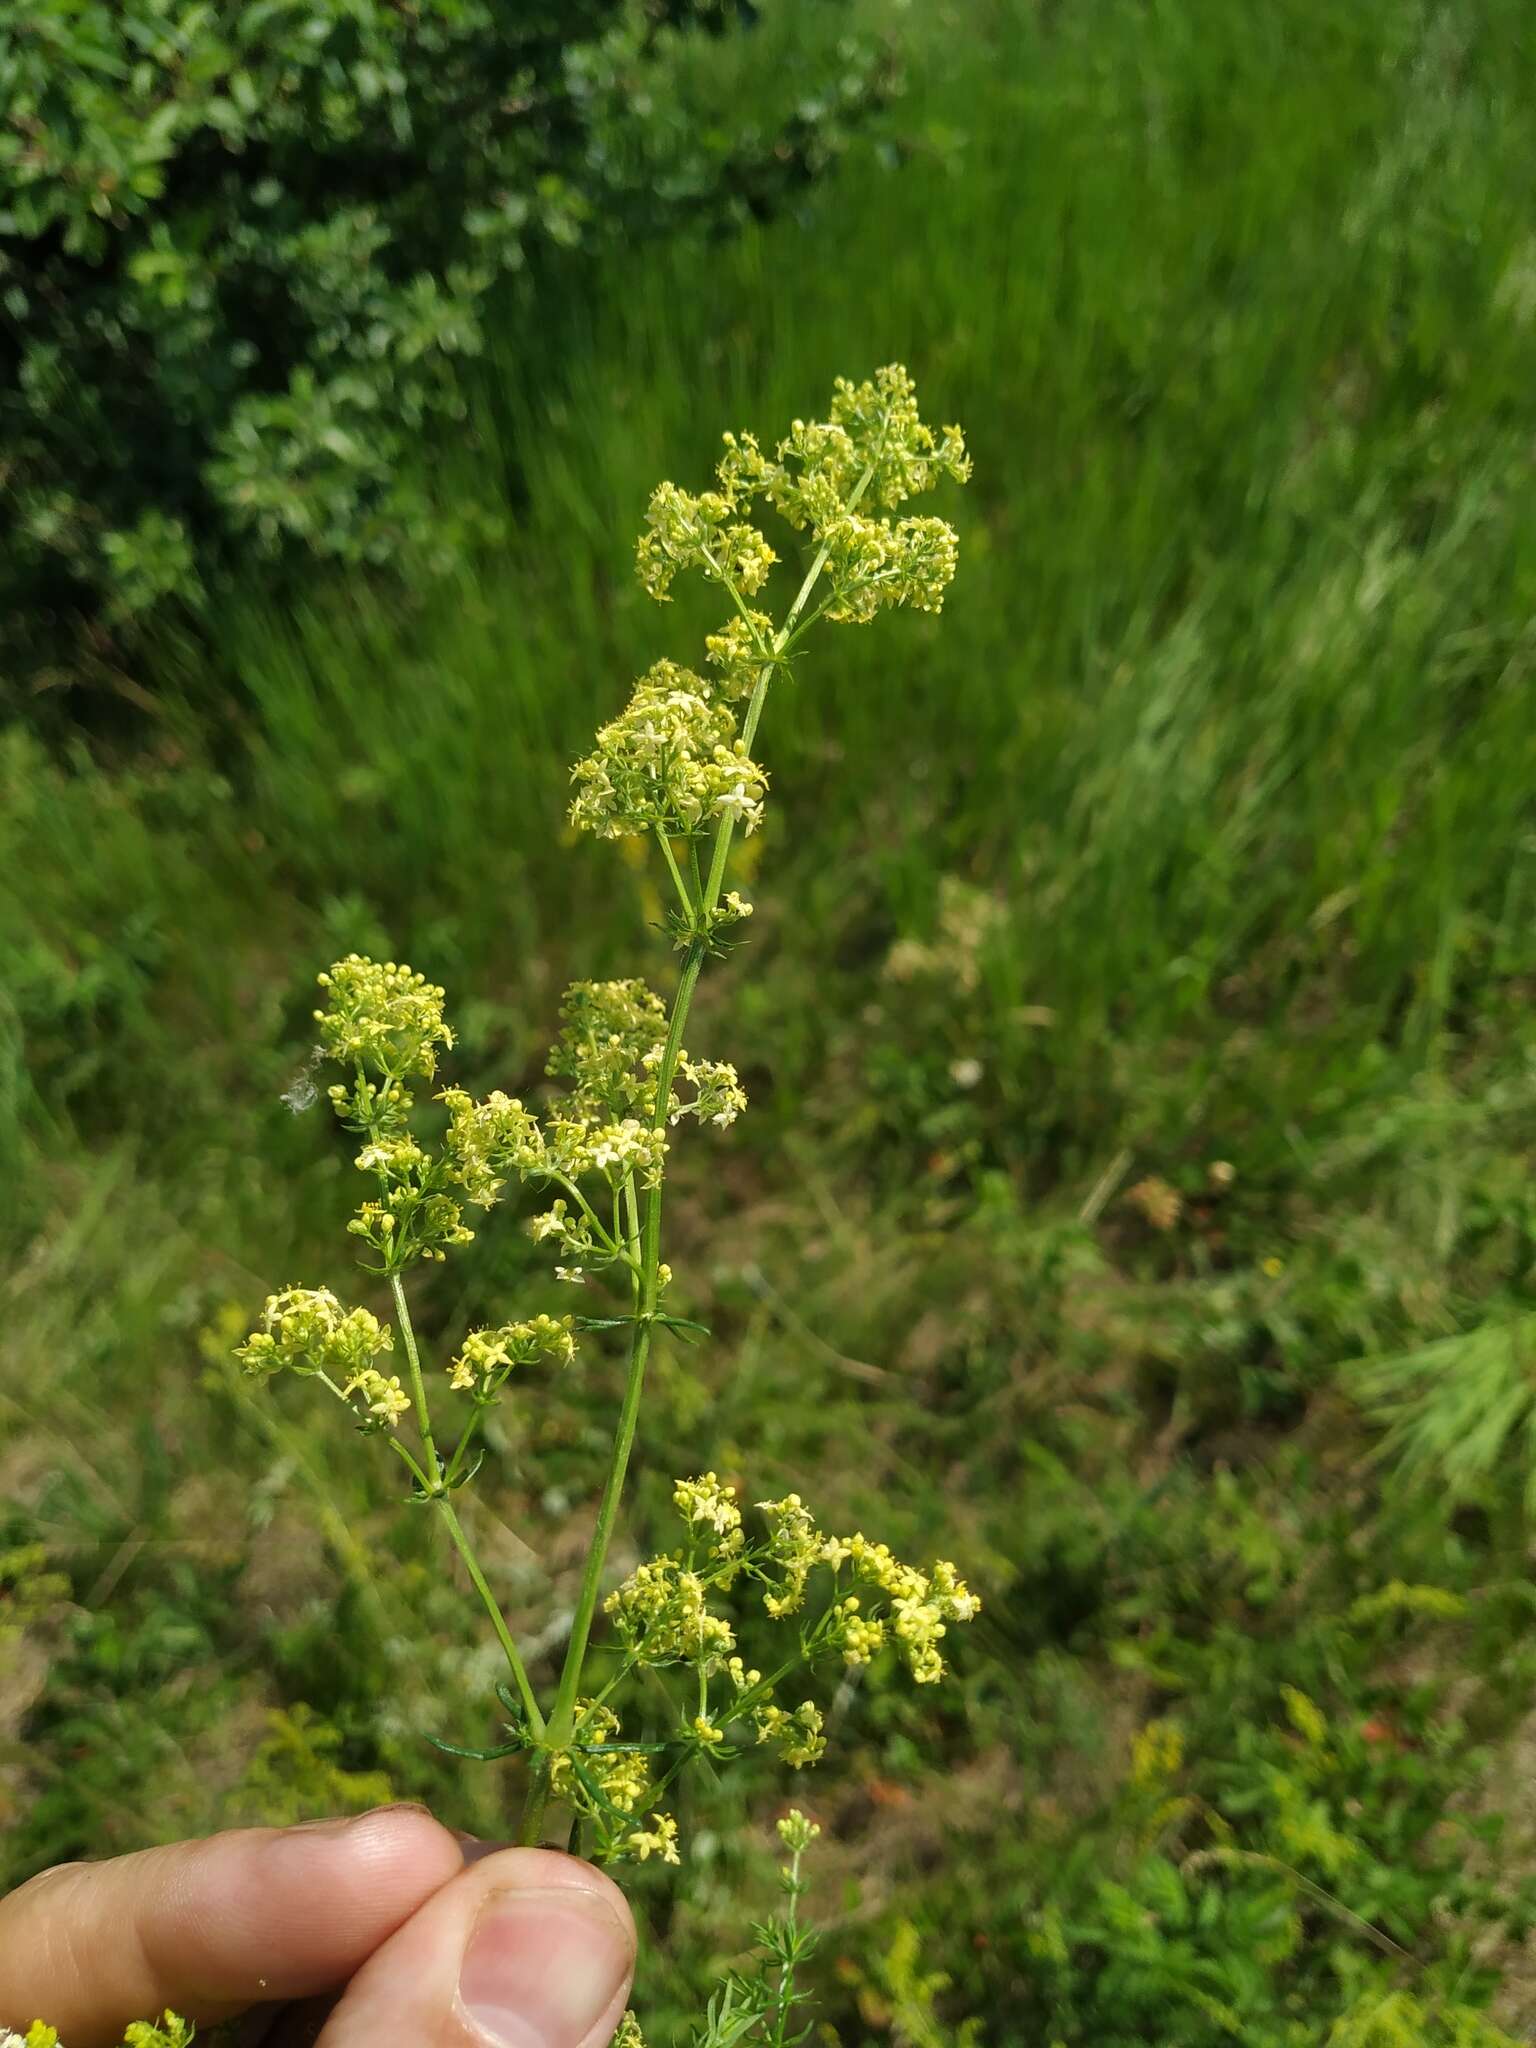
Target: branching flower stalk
675	768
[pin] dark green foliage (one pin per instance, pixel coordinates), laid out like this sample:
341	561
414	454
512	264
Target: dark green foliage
246	247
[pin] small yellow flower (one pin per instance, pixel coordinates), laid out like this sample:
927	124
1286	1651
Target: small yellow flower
795	1831
660	1839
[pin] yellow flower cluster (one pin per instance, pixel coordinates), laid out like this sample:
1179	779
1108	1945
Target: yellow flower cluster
605	1127
608	1782
708	1503
670	762
920	1606
795	1547
881	420
796	1735
606	1029
169	2032
853	1632
486	1139
874	563
661	1614
415	1220
609	1047
718	1096
620	1776
922	1603
487	1356
874	443
385	1017
686	532
741	650
660	1839
614	1151
307	1331
795	1831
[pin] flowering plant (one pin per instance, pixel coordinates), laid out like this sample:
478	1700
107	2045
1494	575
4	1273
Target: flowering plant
676	767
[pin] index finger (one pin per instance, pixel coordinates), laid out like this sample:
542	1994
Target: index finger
210	1927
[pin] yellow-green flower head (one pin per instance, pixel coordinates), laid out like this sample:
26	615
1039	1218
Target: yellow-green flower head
744	471
743	1676
670	762
383	1400
853	1633
382	1016
817	470
412	1222
922	1603
686	532
487	1356
306	1330
171	2032
881	420
873	564
568	1229
660	1839
741	650
707	1503
620	1776
607	1030
718	1096
612	1151
486	1139
797	1736
609	1047
661	1613
795	1548
795	1831
393	1156
629	2034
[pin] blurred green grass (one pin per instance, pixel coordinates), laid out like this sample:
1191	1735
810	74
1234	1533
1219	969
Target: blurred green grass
1198	831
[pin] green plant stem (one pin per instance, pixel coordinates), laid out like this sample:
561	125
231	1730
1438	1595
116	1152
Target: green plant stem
462	1545
785	2001
466	1437
432	1482
749	724
413	1361
676	873
585	1207
530	1827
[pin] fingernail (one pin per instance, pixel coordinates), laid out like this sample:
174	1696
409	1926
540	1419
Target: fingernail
544	1967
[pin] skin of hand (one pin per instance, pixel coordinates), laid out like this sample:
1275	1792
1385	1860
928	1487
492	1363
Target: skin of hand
342	1933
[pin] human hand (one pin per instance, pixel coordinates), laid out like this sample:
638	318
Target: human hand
378	1932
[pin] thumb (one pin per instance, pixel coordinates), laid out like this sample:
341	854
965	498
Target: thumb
524	1949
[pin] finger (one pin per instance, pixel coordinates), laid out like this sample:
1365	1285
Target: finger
525	1949
299	2023
213	1926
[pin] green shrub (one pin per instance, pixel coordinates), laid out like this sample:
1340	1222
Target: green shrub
245	247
